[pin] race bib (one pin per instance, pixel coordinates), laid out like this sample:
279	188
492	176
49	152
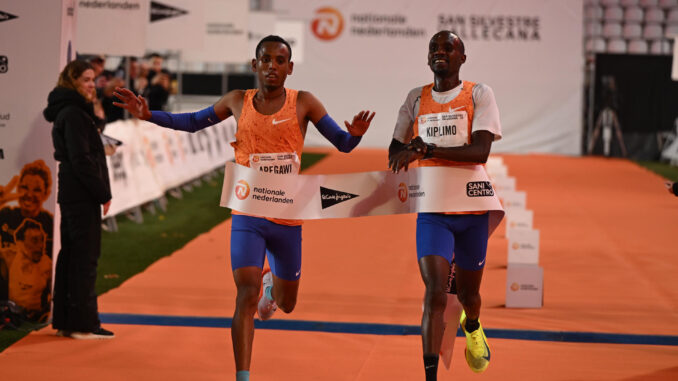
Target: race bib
281	163
445	129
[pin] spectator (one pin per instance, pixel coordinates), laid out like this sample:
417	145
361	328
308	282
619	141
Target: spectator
111	113
83	187
98	63
159	90
155	65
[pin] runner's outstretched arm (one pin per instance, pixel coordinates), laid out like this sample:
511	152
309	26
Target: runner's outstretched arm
189	122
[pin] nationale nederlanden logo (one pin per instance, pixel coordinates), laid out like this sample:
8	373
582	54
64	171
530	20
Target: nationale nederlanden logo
402	192
327	24
242	189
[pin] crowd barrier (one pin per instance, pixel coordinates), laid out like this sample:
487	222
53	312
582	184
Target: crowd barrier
153	160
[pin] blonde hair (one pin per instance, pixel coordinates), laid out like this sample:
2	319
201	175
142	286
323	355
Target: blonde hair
72	71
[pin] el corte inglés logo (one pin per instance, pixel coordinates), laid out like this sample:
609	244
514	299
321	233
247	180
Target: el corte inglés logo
327	24
242	189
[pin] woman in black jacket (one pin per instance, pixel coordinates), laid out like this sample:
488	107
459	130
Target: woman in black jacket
83	188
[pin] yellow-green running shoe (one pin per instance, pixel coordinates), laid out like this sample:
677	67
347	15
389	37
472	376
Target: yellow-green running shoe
477	351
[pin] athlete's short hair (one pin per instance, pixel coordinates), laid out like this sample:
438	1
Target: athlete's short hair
461	42
273	38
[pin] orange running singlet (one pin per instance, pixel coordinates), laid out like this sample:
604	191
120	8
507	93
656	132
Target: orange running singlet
278	133
445	125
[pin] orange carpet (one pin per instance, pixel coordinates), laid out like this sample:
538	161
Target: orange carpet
608	243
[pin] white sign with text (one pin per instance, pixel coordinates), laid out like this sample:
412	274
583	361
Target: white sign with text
523	246
524	286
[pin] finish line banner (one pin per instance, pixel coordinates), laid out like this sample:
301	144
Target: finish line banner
421	189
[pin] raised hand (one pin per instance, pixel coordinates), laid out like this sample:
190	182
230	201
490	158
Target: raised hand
135	104
6	194
361	122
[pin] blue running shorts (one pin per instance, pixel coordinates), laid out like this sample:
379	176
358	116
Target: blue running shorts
464	235
253	238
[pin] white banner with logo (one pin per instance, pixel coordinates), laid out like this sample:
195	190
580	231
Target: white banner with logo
425	189
153	159
370	54
112	27
224	30
37	40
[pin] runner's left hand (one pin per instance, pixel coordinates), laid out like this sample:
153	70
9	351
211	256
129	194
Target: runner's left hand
360	123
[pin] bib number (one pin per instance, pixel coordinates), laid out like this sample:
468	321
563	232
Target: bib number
282	163
445	129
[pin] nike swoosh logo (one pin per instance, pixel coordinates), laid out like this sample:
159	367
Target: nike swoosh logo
455	109
280	121
297	273
481	262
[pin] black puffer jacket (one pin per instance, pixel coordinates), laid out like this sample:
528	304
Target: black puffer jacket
83	173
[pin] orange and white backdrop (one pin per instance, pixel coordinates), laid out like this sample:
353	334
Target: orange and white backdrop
369	54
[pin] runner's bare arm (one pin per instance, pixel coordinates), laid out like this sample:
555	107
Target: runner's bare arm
476	152
401	155
230	104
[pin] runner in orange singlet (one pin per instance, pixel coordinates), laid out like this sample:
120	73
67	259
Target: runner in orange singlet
272	122
446	123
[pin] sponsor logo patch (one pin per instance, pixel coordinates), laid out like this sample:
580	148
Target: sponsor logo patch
402	192
330	197
479	189
242	189
160	11
327	24
4	16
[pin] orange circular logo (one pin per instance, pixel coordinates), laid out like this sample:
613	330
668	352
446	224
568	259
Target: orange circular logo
255	158
515	286
402	192
512	224
327	23
242	189
516	246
